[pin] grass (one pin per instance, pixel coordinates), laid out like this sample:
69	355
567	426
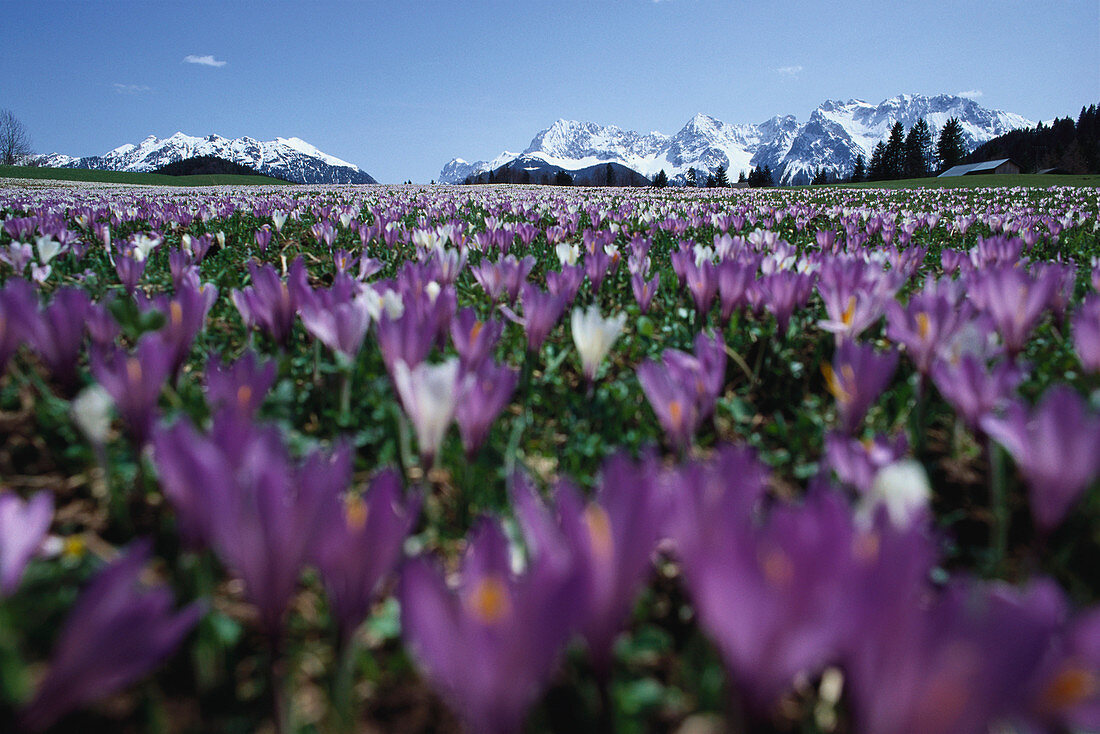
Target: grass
126	177
987	181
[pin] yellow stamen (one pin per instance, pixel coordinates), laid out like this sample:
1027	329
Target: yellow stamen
832	383
244	395
176	311
865	547
475	330
923	325
849	312
356	512
777	568
675	413
488	601
133	370
73	547
599	530
1070	687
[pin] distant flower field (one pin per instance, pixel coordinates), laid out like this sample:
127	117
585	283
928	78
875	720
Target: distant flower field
503	459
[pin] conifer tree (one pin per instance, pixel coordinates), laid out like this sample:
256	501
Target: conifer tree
950	148
692	178
894	159
720	179
859	171
918	150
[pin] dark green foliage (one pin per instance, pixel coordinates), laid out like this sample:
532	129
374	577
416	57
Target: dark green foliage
1064	145
561	178
761	177
893	159
206	165
720	179
950	148
859	170
918	150
661	179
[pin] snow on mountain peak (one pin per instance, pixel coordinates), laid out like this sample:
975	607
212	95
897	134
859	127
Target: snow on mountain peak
833	135
291	158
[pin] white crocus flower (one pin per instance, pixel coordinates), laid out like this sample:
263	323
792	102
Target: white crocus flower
903	489
429	394
48	248
594	335
143	246
91	411
567	254
278	219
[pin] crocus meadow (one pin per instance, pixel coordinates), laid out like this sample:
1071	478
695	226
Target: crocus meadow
504	459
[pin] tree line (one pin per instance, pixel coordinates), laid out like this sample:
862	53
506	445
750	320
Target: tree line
1072	147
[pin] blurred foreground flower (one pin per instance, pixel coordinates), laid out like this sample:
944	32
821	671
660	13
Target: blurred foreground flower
23	525
115	633
491	645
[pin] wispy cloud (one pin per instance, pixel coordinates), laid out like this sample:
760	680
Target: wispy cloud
131	88
789	70
207	60
970	93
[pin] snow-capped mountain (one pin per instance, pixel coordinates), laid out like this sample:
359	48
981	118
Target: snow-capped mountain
290	158
457	170
835	133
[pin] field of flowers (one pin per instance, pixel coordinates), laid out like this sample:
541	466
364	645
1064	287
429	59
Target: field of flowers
502	459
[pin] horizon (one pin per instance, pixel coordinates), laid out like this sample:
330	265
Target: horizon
401	92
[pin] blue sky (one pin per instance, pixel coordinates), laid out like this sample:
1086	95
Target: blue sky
400	88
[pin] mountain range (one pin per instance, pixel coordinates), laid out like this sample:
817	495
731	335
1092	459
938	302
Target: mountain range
292	159
835	133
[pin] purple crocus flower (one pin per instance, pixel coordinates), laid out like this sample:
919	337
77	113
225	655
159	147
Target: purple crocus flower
959	664
240	386
484	394
857	462
1065	692
613	538
1014	299
735	275
856	378
565	283
783	292
410	335
263	237
972	388
57	333
185	316
474	339
238	492
1086	333
513	625
134	381
23	526
360	544
768	595
596	264
683	389
541	313
18	305
340	323
129	269
116	633
925	325
270	302
644	290
701	279
1056	448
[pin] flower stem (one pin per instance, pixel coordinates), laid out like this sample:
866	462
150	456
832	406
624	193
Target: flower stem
998	505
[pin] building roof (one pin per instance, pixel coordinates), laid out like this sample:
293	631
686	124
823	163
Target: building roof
966	168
